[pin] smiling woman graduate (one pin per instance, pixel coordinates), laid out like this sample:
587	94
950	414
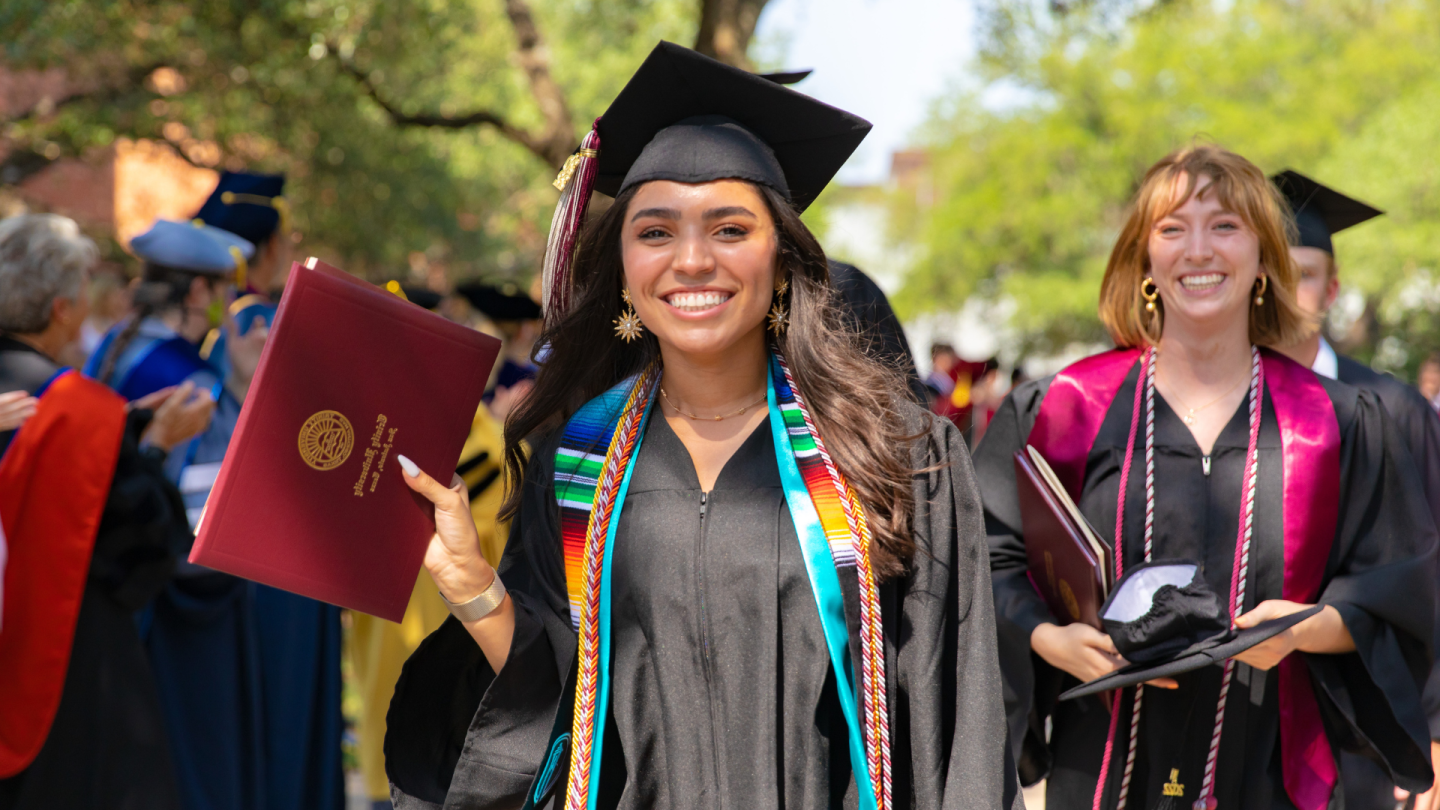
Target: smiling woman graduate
744	570
1284	489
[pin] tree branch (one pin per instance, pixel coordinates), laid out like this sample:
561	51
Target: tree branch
534	59
87	91
726	27
553	144
476	118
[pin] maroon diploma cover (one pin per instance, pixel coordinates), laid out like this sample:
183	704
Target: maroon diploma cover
310	498
1069	564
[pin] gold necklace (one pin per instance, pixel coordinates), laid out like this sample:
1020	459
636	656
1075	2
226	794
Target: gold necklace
1189	418
666	397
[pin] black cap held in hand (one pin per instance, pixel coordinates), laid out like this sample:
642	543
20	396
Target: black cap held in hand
1166	620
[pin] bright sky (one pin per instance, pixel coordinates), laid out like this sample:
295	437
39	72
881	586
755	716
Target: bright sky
882	59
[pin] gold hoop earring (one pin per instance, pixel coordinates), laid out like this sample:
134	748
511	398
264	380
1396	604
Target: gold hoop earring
1150	295
628	325
1264	282
779	318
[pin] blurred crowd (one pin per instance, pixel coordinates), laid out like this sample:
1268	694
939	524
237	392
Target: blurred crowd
216	692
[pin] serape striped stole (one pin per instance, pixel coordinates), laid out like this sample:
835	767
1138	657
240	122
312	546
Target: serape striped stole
592	473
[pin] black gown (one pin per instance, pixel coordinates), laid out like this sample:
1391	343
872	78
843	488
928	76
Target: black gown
107	746
722	692
1367	786
1379	576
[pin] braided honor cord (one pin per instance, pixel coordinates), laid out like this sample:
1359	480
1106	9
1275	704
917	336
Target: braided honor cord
875	706
577	791
1146	361
1237	579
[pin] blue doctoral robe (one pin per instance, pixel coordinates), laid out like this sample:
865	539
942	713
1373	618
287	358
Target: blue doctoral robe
156	357
249	676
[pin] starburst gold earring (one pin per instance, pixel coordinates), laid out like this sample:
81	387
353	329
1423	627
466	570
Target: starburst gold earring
779	318
628	325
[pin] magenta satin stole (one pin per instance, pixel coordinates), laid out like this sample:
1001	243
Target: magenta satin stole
1065	430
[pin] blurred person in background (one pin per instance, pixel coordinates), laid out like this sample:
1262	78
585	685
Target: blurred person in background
1199	279
516	317
179	298
109	302
939	382
988	394
377	649
959	404
249	675
1321	212
252	207
1428	380
93	529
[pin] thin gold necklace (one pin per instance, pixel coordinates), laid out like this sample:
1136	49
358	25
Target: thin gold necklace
698	418
1189	418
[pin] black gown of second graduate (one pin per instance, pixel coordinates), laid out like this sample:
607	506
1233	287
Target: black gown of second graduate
1379	576
722	691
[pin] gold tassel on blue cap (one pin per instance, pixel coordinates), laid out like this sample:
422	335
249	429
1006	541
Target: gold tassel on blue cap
280	204
241	267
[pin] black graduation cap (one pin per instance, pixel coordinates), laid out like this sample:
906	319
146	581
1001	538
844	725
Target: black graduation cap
787	77
692	119
1320	211
423	297
1165	619
502	303
245	204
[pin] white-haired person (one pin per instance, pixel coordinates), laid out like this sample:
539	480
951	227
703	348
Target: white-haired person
91	526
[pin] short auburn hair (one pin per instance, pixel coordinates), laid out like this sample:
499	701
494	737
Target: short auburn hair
1243	190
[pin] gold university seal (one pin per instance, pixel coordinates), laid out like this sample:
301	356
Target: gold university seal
326	440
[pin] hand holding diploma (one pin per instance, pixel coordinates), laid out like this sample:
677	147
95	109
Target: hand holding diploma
454	561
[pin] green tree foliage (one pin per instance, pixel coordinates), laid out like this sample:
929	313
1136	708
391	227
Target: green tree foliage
1394	261
1029	194
298	86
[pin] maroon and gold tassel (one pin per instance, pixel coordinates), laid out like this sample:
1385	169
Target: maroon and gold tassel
576	180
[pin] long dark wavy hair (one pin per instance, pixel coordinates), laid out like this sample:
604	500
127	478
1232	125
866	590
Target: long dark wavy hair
855	401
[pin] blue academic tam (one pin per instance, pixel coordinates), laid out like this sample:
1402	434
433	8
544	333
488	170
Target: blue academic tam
193	246
246	204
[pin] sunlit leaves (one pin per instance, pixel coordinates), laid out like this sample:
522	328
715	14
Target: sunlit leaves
256	84
1028	199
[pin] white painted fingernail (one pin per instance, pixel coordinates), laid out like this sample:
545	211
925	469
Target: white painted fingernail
408	466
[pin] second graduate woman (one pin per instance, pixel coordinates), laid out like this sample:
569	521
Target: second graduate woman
744	570
1214	449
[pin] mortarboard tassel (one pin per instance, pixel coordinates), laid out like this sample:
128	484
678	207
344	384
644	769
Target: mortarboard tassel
575	181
